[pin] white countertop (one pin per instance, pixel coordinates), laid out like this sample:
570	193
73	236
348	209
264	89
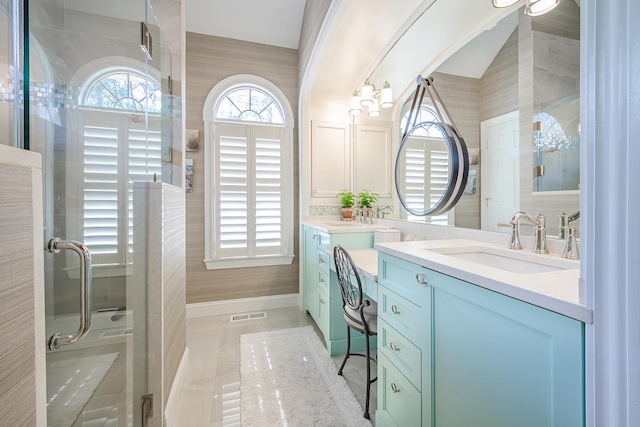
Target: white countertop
341	226
367	262
557	291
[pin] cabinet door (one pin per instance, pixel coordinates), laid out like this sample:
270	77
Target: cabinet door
331	159
399	402
500	362
373	159
310	275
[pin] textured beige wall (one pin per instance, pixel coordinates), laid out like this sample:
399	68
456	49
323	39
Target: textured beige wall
461	96
174	280
499	84
209	60
22	352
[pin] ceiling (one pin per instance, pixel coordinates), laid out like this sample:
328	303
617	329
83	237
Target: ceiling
273	22
393	49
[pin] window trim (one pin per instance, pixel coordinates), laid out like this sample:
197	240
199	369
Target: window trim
208	116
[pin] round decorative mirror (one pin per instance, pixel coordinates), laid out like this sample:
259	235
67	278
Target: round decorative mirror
431	169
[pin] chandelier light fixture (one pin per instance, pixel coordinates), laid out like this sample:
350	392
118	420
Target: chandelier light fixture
372	98
532	8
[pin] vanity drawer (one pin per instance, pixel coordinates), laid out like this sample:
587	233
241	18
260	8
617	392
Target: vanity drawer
324	312
401	352
324	262
399	402
324	241
323	282
406	317
406	279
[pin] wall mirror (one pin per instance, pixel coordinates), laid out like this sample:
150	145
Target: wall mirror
428	150
498	86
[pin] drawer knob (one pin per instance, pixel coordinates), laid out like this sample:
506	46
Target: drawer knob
393	346
394	388
395	310
422	279
321	259
321	280
321	300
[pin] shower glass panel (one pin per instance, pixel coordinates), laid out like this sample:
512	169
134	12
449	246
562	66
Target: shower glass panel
9	72
95	103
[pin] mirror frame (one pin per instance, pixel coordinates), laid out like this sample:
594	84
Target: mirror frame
458	170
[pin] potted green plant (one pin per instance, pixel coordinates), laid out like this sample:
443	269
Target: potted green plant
347	200
368	198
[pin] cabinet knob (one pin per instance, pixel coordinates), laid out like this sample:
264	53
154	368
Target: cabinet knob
321	300
393	346
314	237
395	310
394	388
421	278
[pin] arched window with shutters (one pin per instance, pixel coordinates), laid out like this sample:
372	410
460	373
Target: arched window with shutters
249	174
120	111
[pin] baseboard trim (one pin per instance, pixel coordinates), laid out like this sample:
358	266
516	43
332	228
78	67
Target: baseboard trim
217	308
171	411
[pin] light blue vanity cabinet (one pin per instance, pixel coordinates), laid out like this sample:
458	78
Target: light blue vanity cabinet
404	344
487	360
321	291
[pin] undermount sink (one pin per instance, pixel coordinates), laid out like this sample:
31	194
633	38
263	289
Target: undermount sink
352	224
508	260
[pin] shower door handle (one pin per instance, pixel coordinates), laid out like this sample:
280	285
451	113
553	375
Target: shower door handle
55	245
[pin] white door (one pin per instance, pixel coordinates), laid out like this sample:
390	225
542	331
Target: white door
500	190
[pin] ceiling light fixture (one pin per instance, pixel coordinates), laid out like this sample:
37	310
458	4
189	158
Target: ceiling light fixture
504	3
532	8
369	96
540	7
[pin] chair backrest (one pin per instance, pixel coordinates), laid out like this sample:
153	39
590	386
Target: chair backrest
348	278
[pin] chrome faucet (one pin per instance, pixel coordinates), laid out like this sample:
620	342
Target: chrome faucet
381	210
540	245
565	220
359	212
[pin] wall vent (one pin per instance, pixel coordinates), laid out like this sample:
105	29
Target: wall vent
248	316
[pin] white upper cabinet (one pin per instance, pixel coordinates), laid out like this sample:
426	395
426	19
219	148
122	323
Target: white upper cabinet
330	159
373	161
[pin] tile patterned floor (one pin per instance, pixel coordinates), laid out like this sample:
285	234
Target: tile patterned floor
210	395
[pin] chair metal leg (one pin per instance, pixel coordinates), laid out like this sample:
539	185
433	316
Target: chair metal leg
366	408
346	355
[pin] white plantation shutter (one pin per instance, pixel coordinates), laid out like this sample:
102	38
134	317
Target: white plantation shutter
100	195
415	174
113	158
249	177
269	190
439	176
233	183
144	160
427	168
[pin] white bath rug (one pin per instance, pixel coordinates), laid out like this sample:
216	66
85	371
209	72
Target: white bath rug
287	378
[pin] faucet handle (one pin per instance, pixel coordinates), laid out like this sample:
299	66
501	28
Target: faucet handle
571	250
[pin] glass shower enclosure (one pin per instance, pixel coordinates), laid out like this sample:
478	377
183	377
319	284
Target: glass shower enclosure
86	84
